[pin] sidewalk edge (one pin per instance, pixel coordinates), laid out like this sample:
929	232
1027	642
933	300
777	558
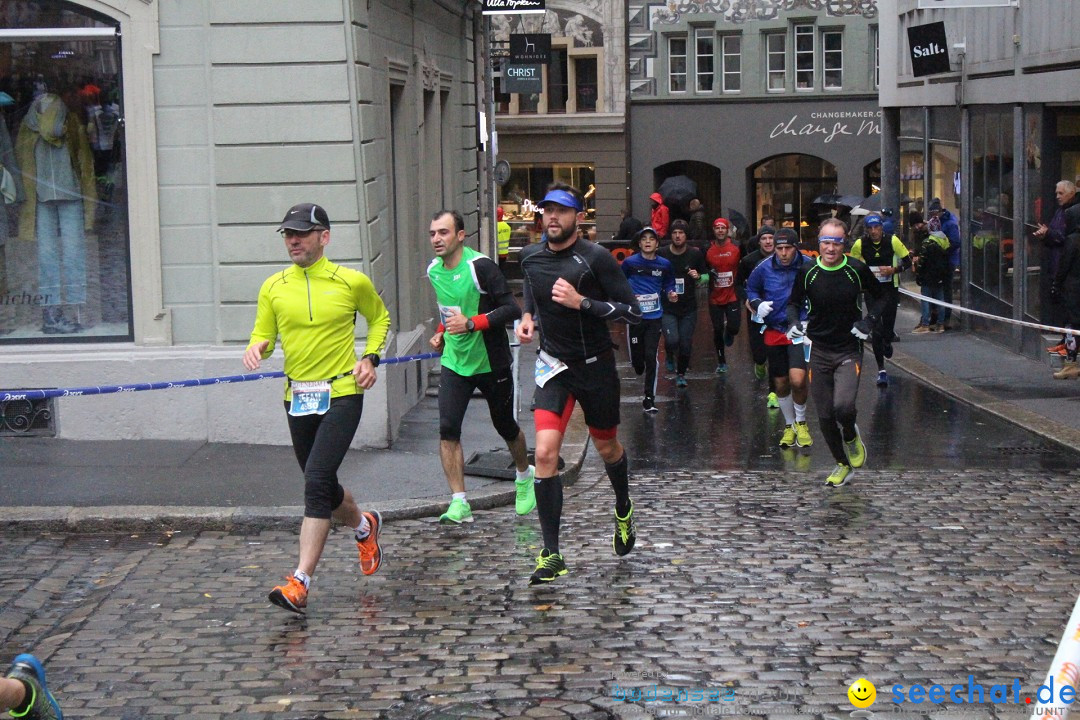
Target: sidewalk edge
1063	435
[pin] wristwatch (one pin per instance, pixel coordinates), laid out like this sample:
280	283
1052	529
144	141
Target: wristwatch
470	325
586	303
373	357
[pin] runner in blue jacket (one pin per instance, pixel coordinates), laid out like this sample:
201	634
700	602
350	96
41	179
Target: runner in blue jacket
649	276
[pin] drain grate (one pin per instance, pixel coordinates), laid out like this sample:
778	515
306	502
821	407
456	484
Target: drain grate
1024	450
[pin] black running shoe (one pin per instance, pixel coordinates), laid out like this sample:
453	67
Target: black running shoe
548	567
622	542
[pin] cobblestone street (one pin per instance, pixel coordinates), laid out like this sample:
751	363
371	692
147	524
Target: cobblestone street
763	587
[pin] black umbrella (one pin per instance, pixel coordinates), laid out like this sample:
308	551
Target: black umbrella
738	220
834	200
678	191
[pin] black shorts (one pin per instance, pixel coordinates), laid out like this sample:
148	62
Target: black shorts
593	383
455	390
783	358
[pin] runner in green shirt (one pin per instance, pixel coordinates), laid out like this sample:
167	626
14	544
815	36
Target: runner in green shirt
475	305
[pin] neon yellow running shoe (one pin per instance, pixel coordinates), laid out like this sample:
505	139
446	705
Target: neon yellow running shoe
458	512
773	403
839	476
525	497
856	450
788	439
548	567
802	434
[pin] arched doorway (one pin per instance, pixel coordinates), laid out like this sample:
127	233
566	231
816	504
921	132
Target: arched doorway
707	178
784	186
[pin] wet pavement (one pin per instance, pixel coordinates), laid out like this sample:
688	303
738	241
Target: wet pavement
752	586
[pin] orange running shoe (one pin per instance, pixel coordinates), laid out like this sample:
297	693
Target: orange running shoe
370	551
292	595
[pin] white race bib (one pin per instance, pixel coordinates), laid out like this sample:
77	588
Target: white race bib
310	398
547	367
449	311
680	286
725	279
879	273
649	302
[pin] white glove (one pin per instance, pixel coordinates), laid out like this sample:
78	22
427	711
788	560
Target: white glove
764	308
796	332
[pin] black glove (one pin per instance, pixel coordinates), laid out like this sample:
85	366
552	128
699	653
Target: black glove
863	328
1055	293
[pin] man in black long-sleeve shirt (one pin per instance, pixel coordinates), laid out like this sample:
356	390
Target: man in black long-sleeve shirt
830	289
572	289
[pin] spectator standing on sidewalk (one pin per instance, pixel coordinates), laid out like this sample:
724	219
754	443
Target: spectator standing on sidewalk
312	305
660	218
475	305
1066	221
1066	289
698	232
943	220
932	273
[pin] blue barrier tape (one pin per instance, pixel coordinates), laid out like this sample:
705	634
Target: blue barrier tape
42	394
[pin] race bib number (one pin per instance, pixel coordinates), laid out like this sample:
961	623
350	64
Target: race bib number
310	398
879	273
649	302
725	279
547	367
680	286
449	311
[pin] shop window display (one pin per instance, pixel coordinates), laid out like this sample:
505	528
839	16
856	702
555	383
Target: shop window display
64	265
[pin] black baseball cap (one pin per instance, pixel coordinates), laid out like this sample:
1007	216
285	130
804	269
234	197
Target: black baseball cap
304	218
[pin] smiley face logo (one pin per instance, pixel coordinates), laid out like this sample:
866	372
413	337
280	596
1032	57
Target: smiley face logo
862	693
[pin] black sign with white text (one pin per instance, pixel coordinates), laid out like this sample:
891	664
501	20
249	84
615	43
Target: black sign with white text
929	49
513	7
530	48
523	78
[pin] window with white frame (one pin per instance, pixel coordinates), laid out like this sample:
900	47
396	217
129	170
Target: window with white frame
874	39
731	62
705	40
677	64
804	57
776	59
832	59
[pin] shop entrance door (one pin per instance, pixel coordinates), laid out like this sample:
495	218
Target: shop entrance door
784	188
707	178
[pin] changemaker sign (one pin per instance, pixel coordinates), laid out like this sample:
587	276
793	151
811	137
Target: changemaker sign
936	4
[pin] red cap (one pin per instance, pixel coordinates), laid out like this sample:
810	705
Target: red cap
499	213
721	221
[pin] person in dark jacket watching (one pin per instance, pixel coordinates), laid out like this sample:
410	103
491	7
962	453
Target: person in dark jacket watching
1066	220
698	234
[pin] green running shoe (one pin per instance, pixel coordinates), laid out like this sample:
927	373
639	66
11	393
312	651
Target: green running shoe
856	450
839	476
458	512
802	434
525	500
759	371
28	670
788	438
622	541
773	403
548	567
